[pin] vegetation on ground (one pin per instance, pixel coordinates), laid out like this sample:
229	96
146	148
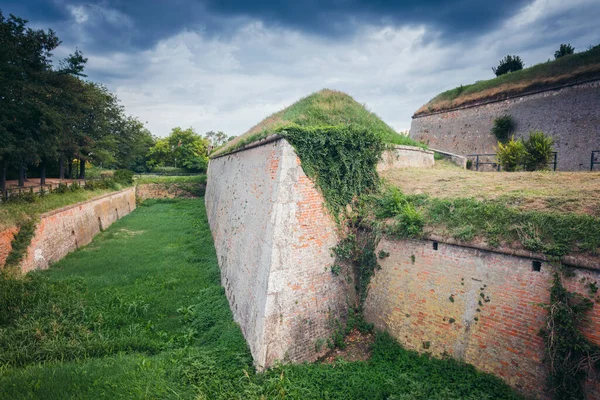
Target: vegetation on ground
324	108
508	64
491	222
13	213
564	70
142	179
545	191
531	154
140	313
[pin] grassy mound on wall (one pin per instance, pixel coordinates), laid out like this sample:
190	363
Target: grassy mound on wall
570	69
324	108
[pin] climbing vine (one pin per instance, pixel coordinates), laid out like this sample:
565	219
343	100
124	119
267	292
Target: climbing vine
569	354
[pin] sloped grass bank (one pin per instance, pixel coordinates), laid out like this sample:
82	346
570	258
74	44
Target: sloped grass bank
140	313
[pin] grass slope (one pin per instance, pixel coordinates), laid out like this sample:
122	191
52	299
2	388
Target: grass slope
324	108
13	213
569	69
140	313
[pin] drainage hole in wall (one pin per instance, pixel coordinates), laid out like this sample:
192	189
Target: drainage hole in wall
73	232
435	245
100	223
536	266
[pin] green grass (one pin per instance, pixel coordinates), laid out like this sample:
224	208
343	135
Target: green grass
494	221
568	69
324	108
142	179
140	313
13	213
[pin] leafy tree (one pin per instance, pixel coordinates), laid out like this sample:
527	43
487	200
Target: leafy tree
216	139
564	50
508	64
183	147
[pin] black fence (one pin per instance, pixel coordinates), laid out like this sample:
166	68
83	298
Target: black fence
490	159
595	160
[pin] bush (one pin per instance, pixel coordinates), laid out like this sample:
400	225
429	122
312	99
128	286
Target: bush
123	176
511	155
169	171
539	148
503	128
508	64
564	50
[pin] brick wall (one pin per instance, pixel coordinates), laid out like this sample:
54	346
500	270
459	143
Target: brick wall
273	237
570	115
165	191
477	306
406	157
6	237
62	231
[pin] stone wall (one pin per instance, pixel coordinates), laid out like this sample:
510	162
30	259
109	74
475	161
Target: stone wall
168	190
406	157
273	237
477	306
62	231
571	115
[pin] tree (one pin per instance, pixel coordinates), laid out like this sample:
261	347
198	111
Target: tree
216	139
564	50
508	64
183	147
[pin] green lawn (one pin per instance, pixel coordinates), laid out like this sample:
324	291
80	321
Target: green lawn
140	313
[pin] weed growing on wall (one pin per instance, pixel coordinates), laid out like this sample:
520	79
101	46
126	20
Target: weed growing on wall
20	243
341	160
568	353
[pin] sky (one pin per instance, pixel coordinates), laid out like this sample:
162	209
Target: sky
224	65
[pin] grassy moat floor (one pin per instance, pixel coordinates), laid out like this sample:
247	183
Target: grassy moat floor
140	313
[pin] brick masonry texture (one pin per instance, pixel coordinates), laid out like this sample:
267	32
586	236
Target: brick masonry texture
477	306
273	237
161	191
570	115
6	237
406	157
62	231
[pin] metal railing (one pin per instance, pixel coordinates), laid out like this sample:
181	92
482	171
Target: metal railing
595	160
496	165
478	161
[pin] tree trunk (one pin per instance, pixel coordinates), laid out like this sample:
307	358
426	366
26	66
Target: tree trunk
25	174
61	168
43	173
21	175
70	168
3	176
81	168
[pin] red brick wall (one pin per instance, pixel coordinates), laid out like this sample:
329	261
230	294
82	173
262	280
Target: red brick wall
6	237
433	302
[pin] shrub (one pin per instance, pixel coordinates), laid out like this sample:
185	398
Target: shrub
511	155
508	64
503	128
564	50
539	148
123	176
169	171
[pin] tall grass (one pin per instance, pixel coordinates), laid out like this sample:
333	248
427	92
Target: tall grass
140	313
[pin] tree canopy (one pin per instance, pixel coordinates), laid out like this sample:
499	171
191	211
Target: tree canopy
52	115
508	64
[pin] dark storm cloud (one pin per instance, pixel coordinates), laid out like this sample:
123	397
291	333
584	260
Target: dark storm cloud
139	24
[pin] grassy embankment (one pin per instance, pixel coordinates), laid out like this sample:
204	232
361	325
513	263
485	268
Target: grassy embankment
323	108
555	213
13	213
565	70
140	313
